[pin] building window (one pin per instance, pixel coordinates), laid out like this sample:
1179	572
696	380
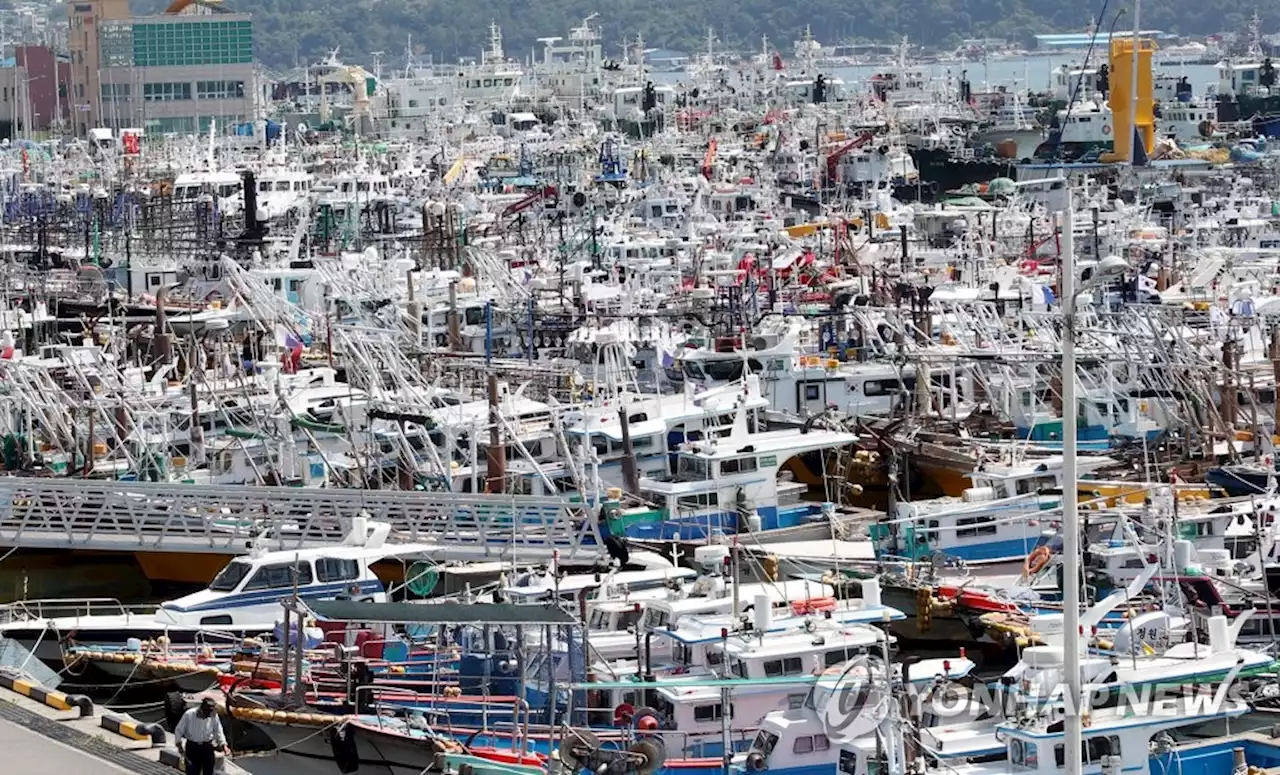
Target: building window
219	90
116	92
166	92
192	42
181	125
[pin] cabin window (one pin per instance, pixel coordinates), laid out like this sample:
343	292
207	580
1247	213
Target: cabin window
704	500
802	745
848	762
984	526
1028	486
1092	751
795	701
682	653
715	657
837	657
693	468
230	577
710	712
812	392
280	576
330	569
738	668
739	465
879	387
215	620
786	666
764	742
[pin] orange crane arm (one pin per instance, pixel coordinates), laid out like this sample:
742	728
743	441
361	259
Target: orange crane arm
834	159
529	201
709	159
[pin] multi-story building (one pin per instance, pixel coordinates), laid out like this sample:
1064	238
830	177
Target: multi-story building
34	84
175	72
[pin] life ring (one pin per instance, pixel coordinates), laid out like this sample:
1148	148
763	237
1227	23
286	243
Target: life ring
1036	560
813	605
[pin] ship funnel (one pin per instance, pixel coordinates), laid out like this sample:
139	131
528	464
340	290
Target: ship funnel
763	613
871	592
1219	640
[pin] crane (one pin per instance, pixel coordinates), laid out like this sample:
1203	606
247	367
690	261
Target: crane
515	208
709	159
834	159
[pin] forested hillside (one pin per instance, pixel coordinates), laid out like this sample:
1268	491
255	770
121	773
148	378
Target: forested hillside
289	31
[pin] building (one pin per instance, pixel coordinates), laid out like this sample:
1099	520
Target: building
1100	40
175	72
34	84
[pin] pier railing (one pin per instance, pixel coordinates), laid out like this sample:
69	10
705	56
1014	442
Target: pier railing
140	516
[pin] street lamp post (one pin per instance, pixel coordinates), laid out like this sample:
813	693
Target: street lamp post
1070	513
1072	638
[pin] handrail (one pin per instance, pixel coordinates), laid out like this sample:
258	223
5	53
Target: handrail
41	608
87	513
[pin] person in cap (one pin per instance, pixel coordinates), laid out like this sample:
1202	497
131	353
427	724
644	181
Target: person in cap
199	736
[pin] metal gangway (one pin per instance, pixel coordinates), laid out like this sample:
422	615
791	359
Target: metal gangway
153	517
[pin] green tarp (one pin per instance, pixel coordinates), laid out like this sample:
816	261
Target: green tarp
446	612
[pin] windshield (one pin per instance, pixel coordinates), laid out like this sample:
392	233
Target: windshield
693	469
230	577
764	742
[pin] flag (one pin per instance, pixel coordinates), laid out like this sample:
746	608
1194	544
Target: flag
1042	294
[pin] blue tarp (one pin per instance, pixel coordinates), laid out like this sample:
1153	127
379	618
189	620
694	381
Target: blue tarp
246	130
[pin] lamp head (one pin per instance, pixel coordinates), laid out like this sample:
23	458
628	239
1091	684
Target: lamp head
1104	271
1111	267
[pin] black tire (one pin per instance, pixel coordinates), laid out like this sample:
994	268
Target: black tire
175	704
345	754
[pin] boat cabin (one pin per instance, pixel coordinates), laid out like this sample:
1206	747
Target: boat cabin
1241	79
795	741
191	186
698	712
628	100
247	591
734	484
1115	739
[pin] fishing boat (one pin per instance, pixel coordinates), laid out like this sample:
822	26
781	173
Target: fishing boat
241	601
